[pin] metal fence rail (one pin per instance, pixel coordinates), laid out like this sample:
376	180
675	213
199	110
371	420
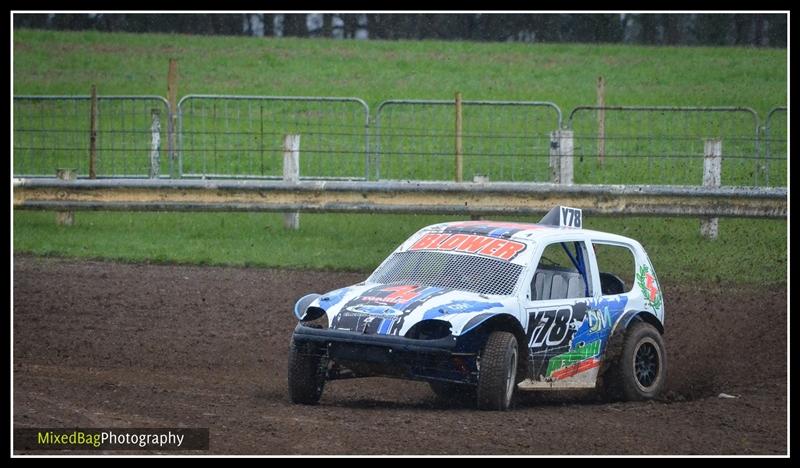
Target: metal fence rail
776	149
504	140
242	136
52	132
497	198
665	145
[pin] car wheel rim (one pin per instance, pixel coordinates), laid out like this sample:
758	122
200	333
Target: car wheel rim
511	375
646	364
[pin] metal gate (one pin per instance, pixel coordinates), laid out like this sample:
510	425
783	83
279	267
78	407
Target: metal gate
501	140
54	132
663	145
776	149
242	136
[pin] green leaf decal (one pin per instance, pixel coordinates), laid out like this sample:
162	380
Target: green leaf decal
641	280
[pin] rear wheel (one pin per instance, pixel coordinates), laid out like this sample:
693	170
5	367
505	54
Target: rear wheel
497	376
641	368
306	374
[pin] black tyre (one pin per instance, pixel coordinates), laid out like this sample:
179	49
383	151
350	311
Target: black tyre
641	368
497	376
306	374
454	393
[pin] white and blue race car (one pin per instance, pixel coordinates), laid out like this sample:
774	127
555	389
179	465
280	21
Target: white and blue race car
481	309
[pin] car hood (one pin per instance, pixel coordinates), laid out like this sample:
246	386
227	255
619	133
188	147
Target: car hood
392	309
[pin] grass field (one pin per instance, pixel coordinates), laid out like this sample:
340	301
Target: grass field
747	251
69	62
48	62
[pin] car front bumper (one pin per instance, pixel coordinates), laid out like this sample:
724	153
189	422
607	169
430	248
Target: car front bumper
391	356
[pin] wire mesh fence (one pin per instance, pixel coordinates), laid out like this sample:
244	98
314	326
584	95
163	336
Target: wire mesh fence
53	132
666	145
242	136
502	140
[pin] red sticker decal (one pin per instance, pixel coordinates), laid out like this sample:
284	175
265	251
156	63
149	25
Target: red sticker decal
503	249
650	286
576	368
402	293
476	243
396	294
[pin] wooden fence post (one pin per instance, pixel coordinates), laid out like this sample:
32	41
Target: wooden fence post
172	98
555	160
712	177
155	144
601	120
93	135
65	218
565	149
561	155
291	174
459	170
479	179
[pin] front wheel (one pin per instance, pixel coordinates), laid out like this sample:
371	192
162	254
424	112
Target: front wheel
497	376
306	374
642	365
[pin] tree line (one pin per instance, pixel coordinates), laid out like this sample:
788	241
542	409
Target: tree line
739	29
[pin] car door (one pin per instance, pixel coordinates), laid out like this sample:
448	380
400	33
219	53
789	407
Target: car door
617	283
561	289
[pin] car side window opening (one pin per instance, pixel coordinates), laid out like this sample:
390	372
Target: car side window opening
561	273
617	267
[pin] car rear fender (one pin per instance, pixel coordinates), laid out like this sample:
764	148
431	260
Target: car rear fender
632	315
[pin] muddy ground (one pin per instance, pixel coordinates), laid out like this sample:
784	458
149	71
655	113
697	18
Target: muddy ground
100	344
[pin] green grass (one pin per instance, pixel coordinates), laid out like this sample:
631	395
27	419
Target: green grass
129	64
747	251
47	62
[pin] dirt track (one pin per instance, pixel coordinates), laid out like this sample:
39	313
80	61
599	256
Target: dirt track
103	344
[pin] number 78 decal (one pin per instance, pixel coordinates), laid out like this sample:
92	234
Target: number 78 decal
548	328
570	217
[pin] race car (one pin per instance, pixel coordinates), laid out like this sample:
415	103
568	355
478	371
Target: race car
483	309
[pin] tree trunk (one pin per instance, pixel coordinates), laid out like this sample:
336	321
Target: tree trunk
327	25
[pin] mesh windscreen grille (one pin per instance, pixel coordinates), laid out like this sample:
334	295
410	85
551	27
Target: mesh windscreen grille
465	272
